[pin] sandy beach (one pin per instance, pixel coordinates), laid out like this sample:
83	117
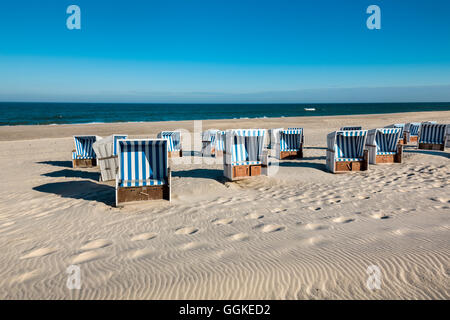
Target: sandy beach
302	233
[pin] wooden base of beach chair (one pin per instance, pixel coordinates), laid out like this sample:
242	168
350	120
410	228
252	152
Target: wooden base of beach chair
129	194
347	166
391	158
243	172
412	140
175	154
84	163
431	146
291	154
218	154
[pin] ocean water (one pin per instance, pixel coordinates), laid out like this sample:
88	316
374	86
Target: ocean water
19	113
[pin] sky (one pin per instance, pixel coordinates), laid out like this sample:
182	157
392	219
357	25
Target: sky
225	51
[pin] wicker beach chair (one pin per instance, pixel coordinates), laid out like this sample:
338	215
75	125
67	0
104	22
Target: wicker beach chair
383	145
289	143
433	136
143	172
174	142
345	151
244	154
84	155
401	126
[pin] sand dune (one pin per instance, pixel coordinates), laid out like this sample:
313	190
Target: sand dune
300	234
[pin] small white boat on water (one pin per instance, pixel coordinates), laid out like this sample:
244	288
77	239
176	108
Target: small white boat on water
310	109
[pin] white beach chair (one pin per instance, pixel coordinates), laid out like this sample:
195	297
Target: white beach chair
106	151
272	137
244	154
289	143
433	136
84	155
174	142
345	151
383	145
402	130
209	138
143	172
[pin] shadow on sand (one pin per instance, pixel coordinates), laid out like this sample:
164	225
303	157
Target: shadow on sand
85	190
214	174
65	164
434	153
66	173
303	164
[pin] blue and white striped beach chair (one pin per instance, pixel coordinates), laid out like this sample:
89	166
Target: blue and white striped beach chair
106	151
143	172
174	142
433	136
350	128
220	143
244	154
383	145
345	151
84	156
289	143
401	126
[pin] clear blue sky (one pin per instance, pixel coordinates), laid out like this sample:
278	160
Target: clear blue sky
225	51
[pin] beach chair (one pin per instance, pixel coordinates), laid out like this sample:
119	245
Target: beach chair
402	130
433	136
244	154
383	145
106	151
345	151
84	156
273	136
411	132
347	128
174	142
143	172
209	143
289	143
448	136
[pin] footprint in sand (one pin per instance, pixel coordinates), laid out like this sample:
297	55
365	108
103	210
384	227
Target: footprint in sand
222	221
270	227
186	230
254	216
95	244
343	220
141	253
239	237
38	253
380	216
316	226
193	245
144	236
86	256
24	277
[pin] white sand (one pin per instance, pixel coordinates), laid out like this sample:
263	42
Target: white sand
301	234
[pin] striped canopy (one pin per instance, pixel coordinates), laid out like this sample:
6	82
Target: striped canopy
386	140
432	133
220	137
115	138
173	138
414	129
246	146
291	139
350	128
401	126
348	145
209	135
83	147
142	162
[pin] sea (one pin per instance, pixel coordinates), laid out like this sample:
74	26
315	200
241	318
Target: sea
39	113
